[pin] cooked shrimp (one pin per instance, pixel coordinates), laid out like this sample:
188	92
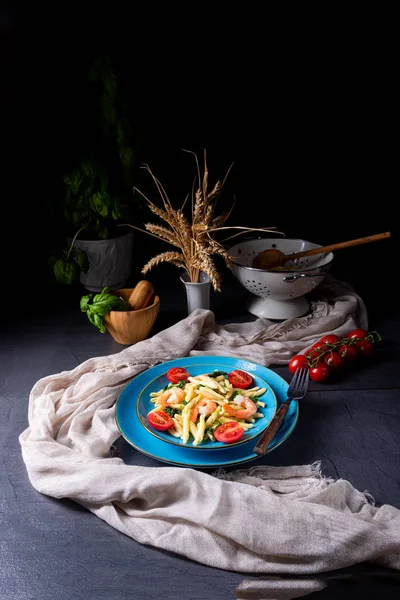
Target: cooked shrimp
241	413
203	407
171	396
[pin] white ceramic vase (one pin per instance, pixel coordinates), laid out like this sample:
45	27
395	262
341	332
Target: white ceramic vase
197	294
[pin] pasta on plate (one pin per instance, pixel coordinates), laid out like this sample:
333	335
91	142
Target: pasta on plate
204	402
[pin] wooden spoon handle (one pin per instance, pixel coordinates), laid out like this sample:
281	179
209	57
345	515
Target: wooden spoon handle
322	249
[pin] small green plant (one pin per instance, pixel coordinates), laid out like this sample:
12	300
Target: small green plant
98	198
92	210
89	203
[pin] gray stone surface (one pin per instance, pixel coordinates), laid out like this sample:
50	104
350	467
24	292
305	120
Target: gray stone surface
51	549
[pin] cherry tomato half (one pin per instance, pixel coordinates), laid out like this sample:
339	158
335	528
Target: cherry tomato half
240	379
228	432
358	333
160	420
297	362
177	374
319	373
349	353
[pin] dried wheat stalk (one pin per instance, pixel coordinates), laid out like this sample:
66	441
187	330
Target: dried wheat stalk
193	237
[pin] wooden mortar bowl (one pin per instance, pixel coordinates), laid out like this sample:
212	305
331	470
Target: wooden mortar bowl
131	326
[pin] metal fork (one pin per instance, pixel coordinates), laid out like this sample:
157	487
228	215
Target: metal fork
296	390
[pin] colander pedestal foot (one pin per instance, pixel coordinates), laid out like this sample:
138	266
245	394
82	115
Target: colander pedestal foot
277	309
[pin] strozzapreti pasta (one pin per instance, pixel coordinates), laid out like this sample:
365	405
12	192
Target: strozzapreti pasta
201	404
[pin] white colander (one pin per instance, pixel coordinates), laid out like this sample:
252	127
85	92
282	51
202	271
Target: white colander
279	294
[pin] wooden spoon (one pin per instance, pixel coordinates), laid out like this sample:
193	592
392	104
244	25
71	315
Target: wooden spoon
272	258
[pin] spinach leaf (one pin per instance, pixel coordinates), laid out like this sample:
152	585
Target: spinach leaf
170	411
180	384
217	373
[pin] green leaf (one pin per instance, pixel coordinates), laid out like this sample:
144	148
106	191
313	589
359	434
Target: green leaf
217	373
69	197
98	203
66	271
99	324
96	306
85	301
102	295
112	299
76	180
107	303
106	290
82	259
126	156
102	233
109	82
96	321
107	108
100	308
88	191
171	411
118	211
123	132
81	203
76	218
88	170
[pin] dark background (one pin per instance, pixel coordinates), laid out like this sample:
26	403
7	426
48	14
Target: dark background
305	116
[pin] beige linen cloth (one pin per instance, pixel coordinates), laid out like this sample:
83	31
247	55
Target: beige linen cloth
298	524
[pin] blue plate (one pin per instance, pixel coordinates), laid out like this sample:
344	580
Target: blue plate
144	405
139	437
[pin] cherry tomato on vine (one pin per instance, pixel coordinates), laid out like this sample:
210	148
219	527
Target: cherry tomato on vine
365	347
297	362
317	345
312	355
240	379
358	333
320	373
349	353
177	374
334	361
329	339
160	420
359	342
320	346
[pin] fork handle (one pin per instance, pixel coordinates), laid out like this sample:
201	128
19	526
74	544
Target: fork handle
262	445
